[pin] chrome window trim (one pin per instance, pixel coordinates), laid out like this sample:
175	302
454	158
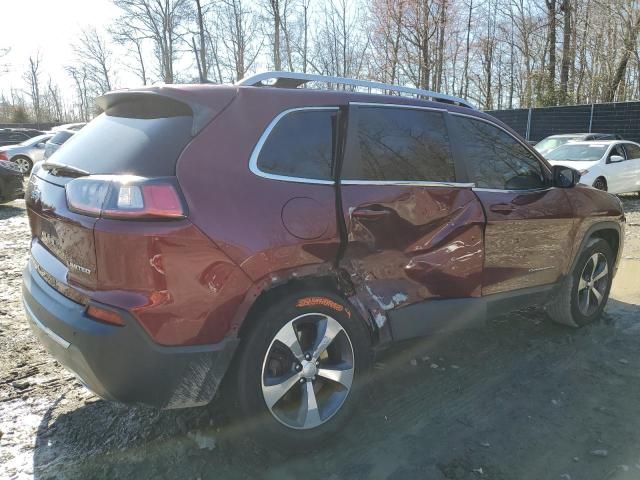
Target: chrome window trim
408	183
253	159
497	190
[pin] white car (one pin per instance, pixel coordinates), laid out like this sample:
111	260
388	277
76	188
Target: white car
612	165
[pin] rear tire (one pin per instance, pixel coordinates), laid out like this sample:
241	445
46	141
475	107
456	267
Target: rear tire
585	291
24	163
295	389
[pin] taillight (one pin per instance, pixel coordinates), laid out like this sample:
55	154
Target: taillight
126	197
4	156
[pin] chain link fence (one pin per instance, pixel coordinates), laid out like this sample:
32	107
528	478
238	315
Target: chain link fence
534	124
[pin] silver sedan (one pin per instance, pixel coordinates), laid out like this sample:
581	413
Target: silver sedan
27	153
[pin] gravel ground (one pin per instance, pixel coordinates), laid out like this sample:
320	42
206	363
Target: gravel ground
519	399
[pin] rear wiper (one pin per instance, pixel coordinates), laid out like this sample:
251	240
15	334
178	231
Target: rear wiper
59	169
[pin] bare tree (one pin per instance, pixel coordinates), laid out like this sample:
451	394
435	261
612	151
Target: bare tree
94	54
236	25
134	42
161	21
201	54
32	78
567	53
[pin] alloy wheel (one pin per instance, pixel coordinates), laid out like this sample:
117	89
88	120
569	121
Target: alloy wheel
23	165
593	284
308	371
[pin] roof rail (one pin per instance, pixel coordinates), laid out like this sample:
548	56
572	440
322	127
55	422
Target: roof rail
294	80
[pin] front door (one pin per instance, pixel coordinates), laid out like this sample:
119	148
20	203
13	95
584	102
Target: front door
412	232
616	171
528	233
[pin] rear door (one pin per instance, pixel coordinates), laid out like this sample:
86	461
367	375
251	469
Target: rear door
529	222
633	167
413	232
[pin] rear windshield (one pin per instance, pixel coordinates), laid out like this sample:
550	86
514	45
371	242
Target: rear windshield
578	152
131	138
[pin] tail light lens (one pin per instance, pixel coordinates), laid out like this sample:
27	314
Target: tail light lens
4	156
125	197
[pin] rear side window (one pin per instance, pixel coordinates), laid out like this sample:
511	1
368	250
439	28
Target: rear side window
61	137
137	137
633	151
300	145
400	144
495	159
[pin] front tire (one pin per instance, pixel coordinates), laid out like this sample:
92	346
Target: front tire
585	291
600	183
300	368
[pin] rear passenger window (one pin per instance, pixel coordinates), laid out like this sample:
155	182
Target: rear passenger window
633	151
300	145
400	144
495	159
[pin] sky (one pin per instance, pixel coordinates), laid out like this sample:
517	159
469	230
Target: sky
48	26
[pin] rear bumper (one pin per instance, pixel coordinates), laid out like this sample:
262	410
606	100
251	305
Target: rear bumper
122	363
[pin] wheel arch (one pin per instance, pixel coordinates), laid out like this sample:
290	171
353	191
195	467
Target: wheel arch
607	231
272	290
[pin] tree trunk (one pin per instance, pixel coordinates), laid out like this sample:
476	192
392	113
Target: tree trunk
551	75
202	69
567	54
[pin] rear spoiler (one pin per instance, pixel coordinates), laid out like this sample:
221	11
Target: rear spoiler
201	114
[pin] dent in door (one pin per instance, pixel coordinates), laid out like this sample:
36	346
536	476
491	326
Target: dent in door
416	243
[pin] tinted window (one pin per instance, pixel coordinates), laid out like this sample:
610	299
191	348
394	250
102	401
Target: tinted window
300	145
113	144
400	144
61	137
633	151
17	137
494	158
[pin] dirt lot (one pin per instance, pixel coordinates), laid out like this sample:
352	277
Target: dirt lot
519	399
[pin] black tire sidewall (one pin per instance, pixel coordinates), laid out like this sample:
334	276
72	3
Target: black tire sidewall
603	247
254	349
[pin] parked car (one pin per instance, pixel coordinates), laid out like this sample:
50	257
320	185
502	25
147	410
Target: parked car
291	233
27	153
69	126
613	166
58	139
12	136
554	141
11	181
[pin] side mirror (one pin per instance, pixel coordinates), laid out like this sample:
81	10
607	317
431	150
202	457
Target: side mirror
616	159
565	177
40	145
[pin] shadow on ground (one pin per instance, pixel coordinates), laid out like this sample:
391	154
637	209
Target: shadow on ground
521	398
11	210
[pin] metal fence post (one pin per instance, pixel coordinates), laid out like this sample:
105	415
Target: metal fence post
591	118
528	125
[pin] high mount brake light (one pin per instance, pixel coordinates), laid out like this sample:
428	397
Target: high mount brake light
125	197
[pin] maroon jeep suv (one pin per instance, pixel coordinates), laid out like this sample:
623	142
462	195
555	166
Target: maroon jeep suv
281	235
